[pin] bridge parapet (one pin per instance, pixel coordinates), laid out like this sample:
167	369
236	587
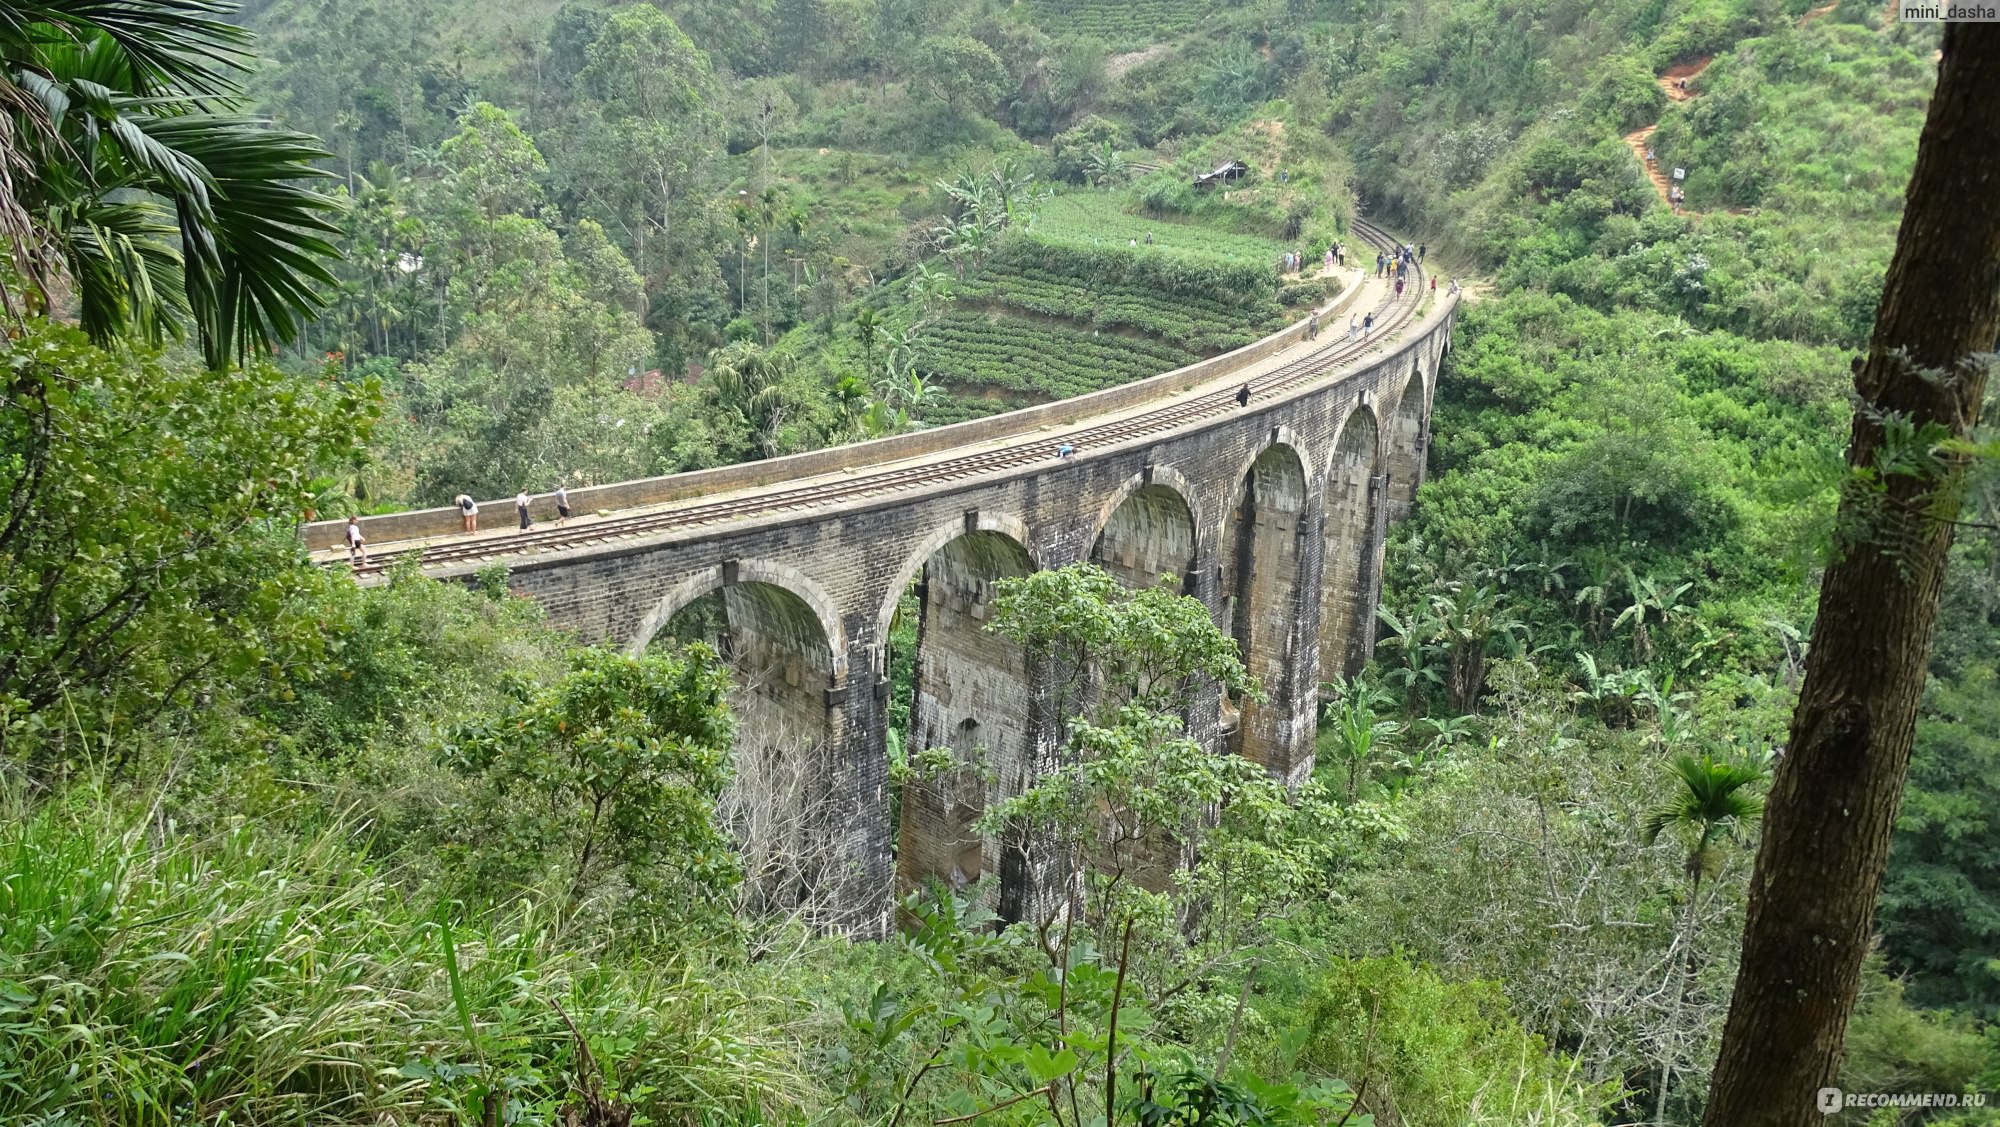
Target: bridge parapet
420	524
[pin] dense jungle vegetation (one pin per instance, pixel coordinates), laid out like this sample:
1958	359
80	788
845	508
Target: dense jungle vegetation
283	849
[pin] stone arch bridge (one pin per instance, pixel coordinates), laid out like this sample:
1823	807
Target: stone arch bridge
1273	513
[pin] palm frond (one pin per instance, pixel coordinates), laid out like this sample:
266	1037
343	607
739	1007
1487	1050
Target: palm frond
166	44
124	268
255	252
1710	797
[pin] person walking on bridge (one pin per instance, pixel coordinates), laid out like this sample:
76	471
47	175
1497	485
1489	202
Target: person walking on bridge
1243	396
521	507
1353	328
357	544
1399	287
1312	326
468	511
1367	326
562	490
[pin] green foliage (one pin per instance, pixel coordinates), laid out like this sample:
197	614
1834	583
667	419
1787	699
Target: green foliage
1120	25
1044	361
1709	802
1084	235
1200	325
1041	1028
1441	1053
132	189
1940	910
254	974
1892	1046
405	660
146	551
960	72
606	781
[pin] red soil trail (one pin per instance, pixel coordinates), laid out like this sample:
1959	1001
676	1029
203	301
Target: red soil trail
1638	140
1670	82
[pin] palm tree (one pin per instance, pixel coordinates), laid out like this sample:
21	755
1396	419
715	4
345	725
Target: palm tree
1661	601
1467	618
1103	167
868	332
746	227
1709	803
749	380
768	203
130	186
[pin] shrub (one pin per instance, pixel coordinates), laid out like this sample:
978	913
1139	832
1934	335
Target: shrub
1441	1054
606	781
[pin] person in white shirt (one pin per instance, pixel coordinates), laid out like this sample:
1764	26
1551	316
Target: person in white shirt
468	511
521	507
357	544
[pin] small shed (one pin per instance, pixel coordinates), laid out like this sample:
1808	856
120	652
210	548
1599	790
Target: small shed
1228	172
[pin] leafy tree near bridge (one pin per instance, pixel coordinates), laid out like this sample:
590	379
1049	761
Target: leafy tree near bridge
605	782
146	546
128	183
960	72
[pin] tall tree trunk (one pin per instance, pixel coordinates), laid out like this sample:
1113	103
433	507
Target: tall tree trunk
1836	793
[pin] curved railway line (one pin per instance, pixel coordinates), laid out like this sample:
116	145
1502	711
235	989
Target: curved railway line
1026	449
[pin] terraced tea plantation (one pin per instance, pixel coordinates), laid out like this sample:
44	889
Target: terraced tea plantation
1199	325
1120	25
990	363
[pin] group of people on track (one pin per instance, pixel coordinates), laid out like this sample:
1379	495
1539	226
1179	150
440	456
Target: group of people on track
1294	261
468	515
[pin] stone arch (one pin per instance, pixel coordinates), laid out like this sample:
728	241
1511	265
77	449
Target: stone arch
1266	554
977	520
1280	436
971	694
1352	544
775	630
1406	442
1150	527
731	573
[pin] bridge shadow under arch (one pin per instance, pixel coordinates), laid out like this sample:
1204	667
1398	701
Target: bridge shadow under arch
782	654
1406	439
1150	528
1352	545
971	694
1265	557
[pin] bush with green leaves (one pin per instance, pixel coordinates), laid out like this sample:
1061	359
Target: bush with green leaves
1197	324
147	552
1042	1028
972	352
1425	1050
604	781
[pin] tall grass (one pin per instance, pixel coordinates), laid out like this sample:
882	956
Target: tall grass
255	977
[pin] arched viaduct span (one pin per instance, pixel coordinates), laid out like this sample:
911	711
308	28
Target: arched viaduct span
1273	514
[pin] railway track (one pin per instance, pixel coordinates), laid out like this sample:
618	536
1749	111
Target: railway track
1392	314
